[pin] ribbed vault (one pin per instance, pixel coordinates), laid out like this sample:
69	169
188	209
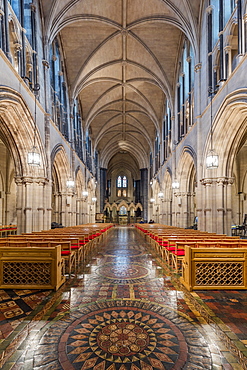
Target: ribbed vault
120	61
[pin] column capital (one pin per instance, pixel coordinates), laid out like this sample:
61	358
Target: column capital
218	181
45	63
198	67
209	9
208	181
18	47
225	180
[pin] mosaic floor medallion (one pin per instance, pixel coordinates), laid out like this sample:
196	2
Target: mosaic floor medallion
120	271
127	338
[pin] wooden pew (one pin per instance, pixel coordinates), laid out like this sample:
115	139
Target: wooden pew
23	267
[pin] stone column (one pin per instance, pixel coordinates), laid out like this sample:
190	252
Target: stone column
56	211
217	210
144	192
1	29
228	58
18	48
63	210
38	205
47	196
228	201
245	32
220	211
185	210
223	199
28	210
77	212
176	209
103	185
20	200
208	214
6	45
240	28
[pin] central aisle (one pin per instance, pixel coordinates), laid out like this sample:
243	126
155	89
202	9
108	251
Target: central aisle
123	313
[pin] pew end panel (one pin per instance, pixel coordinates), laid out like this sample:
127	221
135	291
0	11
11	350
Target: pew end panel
214	268
31	268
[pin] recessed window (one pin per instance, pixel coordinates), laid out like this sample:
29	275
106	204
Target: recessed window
122	185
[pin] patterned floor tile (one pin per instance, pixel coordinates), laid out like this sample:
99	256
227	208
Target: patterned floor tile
123	312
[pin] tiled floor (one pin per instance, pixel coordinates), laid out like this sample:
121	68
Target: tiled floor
124	312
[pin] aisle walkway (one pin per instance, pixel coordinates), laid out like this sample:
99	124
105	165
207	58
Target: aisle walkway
123	313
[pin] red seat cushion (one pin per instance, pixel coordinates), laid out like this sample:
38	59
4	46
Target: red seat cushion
65	253
75	247
179	252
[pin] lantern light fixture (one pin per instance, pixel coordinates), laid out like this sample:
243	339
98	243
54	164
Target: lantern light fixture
175	184
70	183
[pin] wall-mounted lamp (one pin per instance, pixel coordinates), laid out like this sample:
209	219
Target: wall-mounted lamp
212	159
161	195
152	200
70	183
85	193
175	184
33	157
94	199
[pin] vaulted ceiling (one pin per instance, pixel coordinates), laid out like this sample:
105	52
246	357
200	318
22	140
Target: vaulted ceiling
121	60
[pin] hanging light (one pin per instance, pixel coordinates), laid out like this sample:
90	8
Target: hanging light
70	183
94	199
161	195
212	159
33	156
152	200
85	193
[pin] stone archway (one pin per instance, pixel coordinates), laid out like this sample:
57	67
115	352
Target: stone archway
184	199
81	198
61	195
220	186
167	200
31	190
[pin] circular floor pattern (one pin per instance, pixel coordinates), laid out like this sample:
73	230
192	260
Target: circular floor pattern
135	337
127	272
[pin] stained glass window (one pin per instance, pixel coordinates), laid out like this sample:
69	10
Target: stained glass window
119	182
124	182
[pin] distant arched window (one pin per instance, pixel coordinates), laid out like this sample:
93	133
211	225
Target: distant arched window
119	182
122	182
122	185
